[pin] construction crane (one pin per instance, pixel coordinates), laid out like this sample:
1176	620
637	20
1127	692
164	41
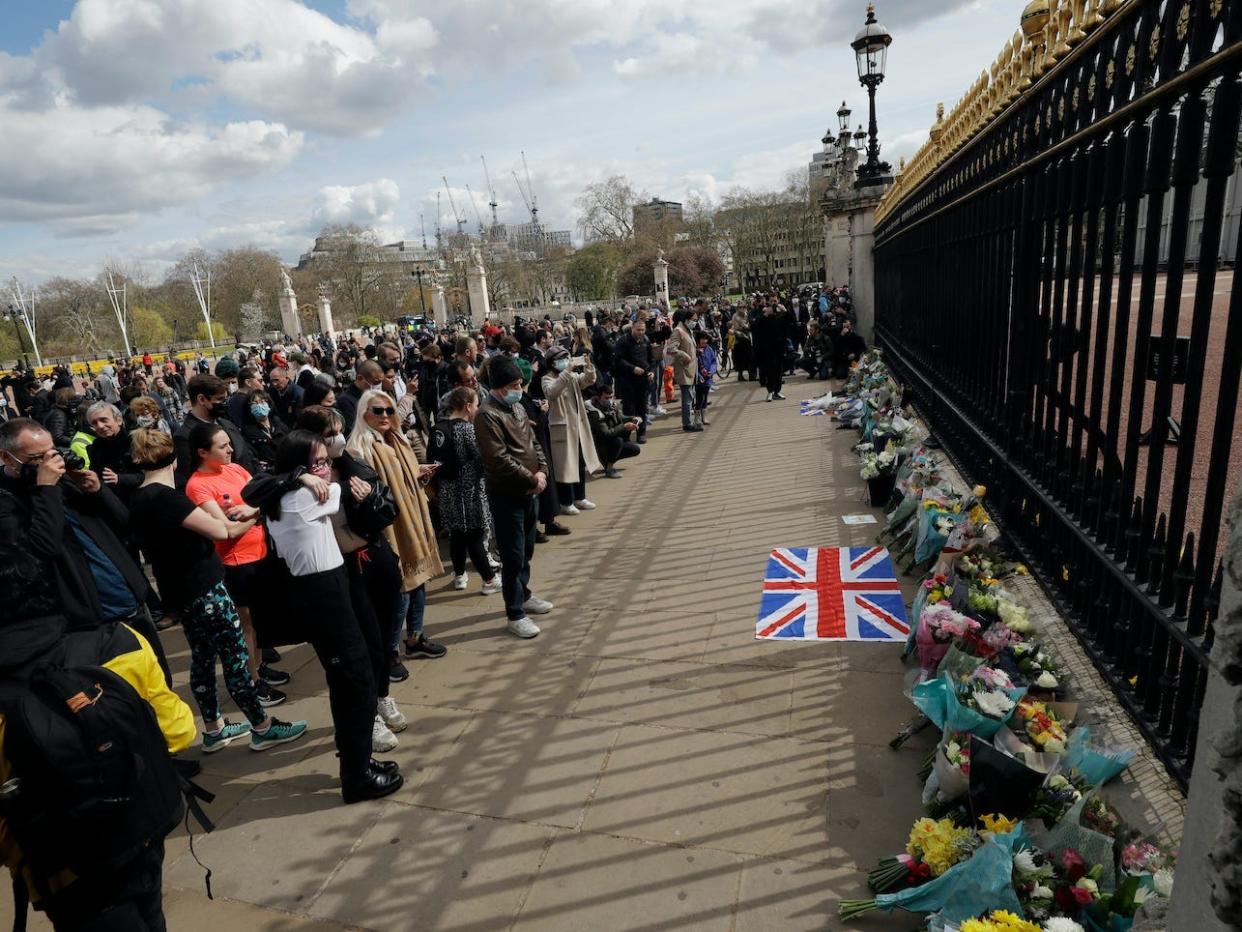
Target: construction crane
533	205
438	211
460	219
477	215
491	193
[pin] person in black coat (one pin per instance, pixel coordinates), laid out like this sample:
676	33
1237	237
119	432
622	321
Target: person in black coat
286	395
634	372
848	347
109	451
208	397
770	331
59	419
74	524
261	427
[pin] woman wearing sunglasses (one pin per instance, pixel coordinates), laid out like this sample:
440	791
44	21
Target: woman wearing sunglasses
377	440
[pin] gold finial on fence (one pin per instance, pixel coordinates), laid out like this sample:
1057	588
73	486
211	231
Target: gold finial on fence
1093	17
1112	6
1061	17
1077	16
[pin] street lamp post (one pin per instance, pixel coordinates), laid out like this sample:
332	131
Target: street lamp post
422	302
13	314
871	55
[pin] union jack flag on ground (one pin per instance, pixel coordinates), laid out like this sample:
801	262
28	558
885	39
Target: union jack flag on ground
832	594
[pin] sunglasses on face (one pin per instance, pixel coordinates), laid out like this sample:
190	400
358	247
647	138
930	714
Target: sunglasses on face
381	412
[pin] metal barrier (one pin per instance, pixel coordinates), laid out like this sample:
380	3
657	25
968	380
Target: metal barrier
1034	290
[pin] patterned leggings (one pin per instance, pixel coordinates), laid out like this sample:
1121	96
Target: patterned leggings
213	629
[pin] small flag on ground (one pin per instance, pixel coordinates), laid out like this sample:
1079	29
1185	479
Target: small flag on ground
832	594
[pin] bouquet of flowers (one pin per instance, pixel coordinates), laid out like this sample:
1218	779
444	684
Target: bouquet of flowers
1099	816
879	464
1097	764
1000	920
950	770
973	885
1043	725
934	846
1087	828
975	711
1013	615
1033	876
982	600
1036	665
1143	857
993	703
1079	884
938	626
1057	795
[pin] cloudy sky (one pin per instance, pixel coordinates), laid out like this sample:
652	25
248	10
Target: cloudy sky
137	129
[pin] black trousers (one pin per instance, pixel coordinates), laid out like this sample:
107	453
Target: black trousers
549	501
613	449
772	373
635	393
374	588
323	600
514	521
135	900
462	543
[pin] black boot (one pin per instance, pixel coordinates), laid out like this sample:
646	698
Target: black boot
372	786
383	766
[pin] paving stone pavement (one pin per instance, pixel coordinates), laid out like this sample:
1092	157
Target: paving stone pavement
643	764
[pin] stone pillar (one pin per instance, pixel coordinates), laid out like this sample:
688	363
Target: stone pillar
476	283
661	281
1207	891
862	270
290	322
325	316
439	309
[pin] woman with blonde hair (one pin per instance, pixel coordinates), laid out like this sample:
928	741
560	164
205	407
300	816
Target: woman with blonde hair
378	441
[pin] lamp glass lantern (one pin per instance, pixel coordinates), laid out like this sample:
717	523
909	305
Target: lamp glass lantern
870	47
843	118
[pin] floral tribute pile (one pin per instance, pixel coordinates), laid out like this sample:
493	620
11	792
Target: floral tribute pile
1019	833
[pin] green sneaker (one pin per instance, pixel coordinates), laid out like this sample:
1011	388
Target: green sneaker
278	732
225	736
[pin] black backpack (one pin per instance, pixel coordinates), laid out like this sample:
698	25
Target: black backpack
92	784
441	449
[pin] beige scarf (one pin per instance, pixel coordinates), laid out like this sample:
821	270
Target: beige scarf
412	537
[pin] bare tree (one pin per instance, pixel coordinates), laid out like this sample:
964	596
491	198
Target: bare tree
606	209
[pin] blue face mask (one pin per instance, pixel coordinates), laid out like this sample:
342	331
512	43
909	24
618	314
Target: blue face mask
513	396
260	410
561	364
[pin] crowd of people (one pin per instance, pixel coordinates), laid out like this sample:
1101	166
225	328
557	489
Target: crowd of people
296	492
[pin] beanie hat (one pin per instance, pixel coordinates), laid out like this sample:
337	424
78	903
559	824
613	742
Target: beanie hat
502	371
526	370
226	367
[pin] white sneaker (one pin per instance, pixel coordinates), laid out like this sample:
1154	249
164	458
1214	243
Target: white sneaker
493	562
491	588
569	510
523	627
660	411
393	717
584	504
769	398
382	738
460	582
778	396
537	606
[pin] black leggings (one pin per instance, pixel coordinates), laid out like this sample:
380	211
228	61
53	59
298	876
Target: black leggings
323	600
470	542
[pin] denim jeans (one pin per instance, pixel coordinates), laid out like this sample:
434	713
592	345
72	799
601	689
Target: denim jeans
410	615
687	403
514	520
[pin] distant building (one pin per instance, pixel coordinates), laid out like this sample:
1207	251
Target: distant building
404	256
656	213
533	237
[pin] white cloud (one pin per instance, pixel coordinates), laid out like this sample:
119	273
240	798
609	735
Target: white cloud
94	170
372	204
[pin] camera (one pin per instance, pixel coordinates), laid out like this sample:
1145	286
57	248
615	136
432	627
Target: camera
72	460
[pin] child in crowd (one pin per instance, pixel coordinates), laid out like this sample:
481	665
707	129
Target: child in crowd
703	377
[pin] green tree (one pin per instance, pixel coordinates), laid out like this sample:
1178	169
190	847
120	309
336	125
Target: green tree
591	273
217	329
149	330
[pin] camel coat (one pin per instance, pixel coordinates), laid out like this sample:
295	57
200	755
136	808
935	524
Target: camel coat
684	353
411	536
568	422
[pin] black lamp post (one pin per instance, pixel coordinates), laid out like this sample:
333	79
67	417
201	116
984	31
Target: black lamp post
422	302
871	54
13	314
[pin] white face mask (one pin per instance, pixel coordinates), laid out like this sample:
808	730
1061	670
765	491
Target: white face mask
336	446
232	386
146	420
560	365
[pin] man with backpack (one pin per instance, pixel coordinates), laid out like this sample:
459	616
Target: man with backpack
88	789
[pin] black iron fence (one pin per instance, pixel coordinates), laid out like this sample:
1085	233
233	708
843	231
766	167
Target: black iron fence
1035	292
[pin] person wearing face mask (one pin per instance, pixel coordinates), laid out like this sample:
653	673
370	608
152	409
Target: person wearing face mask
208	405
367	508
370	376
515	471
262	429
144	412
216	487
377	440
248	380
573	451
